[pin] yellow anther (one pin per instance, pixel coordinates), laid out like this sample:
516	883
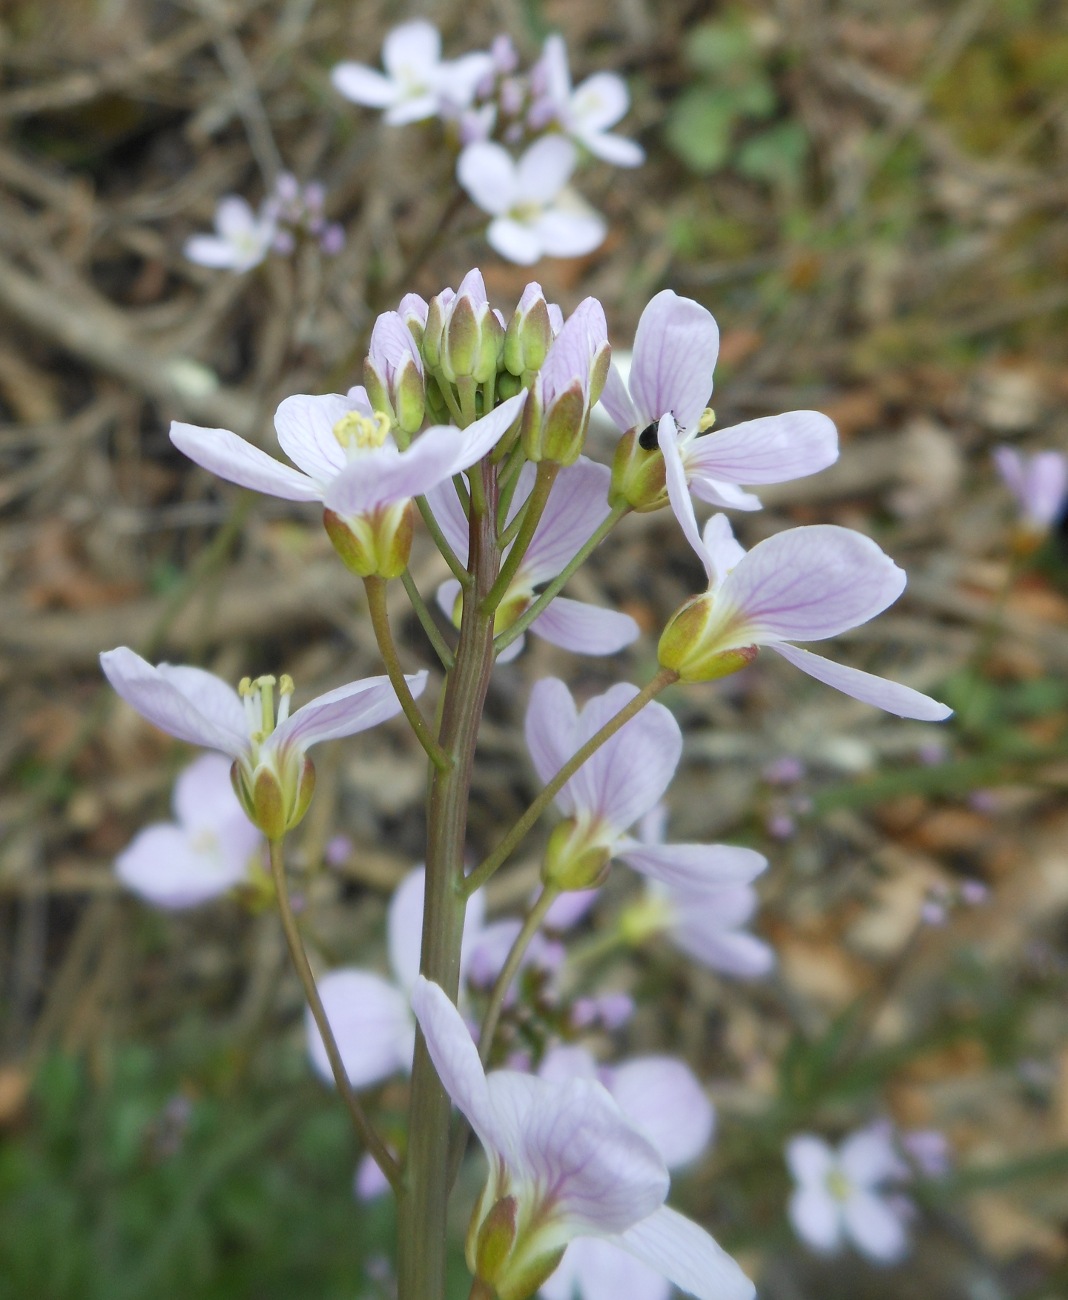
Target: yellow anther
362	431
285	685
707	420
244	687
267	680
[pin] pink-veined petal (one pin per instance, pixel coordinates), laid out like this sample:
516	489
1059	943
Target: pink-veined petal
617	402
687	1256
675	351
187	703
678	489
363	85
232	458
694	866
628	775
577	506
449	598
343	712
550	732
867	687
662	1096
731	952
371	1023
875	1227
305	428
488	174
721	548
816	1217
723	495
773	449
809	583
449	513
585	629
597	1269
384	476
481	437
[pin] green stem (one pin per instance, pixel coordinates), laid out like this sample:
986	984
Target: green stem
664	678
516	953
426	619
361	1123
538	606
532	513
376	604
422	1223
442	542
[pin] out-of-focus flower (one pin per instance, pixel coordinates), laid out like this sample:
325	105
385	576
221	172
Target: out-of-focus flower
804	584
241	241
370	1015
842	1196
665	411
299	210
417	81
575	509
534	214
271	773
586	113
615	788
1039	483
204	852
564	1162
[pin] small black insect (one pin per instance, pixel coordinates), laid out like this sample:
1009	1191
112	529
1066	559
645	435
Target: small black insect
647	438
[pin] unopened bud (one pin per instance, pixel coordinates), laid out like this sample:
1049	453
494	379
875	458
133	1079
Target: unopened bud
496	1236
529	334
689	646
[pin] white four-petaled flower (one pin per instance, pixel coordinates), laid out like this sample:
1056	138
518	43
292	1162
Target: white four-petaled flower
241	241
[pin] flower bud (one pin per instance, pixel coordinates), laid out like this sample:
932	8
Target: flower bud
557	412
572	860
274	801
689	647
529	334
393	373
433	327
376	545
413	311
638	476
496	1236
472	336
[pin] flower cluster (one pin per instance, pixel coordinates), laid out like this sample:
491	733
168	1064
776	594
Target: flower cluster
520	136
244	237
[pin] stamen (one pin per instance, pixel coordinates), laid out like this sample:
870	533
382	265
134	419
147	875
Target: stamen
265	685
285	694
362	432
707	420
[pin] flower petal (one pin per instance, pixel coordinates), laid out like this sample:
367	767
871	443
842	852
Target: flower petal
187	703
678	489
597	1269
404	928
204	798
628	775
568	230
662	1096
773	449
451	519
305	429
371	1023
488	174
694	866
617	402
731	952
516	241
875	1227
343	712
577	506
364	85
809	583
816	1217
883	694
687	1256
585	629
613	149
165	865
600	102
411	48
544	169
809	1159
238	461
675	351
550	728
869	1156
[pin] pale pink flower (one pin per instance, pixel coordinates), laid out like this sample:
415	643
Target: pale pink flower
621	782
585	113
804	584
207	850
670	383
241	241
347	456
841	1195
417	81
1039	483
576	507
573	1161
534	214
